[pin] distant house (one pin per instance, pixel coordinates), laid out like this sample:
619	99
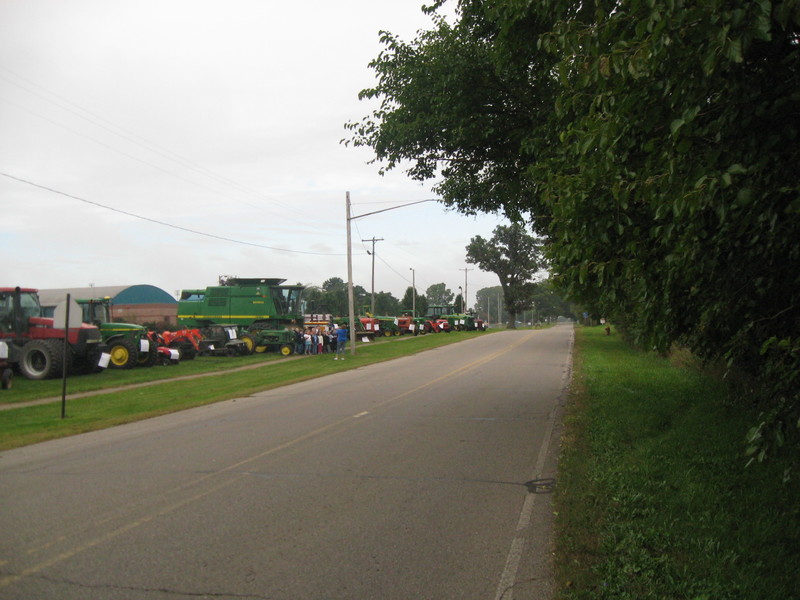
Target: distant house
130	303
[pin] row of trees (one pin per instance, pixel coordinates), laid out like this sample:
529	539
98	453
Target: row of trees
651	144
331	298
491	305
545	305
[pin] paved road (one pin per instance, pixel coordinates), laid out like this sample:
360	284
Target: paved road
423	478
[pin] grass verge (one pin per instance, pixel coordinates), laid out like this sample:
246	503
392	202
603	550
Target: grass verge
222	378
654	500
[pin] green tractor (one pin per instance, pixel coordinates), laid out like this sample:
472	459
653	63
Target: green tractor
127	343
263	310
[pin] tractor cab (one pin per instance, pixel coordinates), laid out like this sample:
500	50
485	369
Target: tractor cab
16	310
96	311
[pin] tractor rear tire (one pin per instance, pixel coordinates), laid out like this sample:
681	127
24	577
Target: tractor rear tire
124	354
42	359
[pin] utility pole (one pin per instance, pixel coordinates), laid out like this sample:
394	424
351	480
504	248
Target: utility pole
350	301
372	254
464	297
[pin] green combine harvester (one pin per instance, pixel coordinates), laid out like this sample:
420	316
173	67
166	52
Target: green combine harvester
264	311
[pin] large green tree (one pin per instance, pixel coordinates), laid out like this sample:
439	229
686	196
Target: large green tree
439	293
408	303
515	257
654	142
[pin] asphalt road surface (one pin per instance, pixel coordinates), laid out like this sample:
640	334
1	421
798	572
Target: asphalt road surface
427	477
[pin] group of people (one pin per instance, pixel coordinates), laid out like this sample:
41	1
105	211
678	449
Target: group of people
321	340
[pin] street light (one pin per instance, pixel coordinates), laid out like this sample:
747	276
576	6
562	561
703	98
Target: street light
350	299
413	292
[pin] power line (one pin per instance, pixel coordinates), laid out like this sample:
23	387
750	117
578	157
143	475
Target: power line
165	224
129	135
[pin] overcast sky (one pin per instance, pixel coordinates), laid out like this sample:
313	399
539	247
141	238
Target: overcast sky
223	118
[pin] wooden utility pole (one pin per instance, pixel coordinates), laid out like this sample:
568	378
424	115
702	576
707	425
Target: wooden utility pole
350	302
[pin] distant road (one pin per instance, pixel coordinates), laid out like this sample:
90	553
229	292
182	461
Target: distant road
426	477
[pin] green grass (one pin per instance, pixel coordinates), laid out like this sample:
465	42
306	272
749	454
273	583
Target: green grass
22	425
654	500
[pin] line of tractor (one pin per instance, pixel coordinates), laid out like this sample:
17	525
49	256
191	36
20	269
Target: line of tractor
238	317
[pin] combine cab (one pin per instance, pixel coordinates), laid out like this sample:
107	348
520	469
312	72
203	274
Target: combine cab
35	344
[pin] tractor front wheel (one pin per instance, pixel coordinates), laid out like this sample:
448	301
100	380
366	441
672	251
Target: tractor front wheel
287	349
250	342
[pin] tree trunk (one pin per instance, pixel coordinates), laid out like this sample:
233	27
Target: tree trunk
512	320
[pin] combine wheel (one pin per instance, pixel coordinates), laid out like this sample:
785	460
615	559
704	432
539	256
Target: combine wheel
287	349
124	354
42	359
249	342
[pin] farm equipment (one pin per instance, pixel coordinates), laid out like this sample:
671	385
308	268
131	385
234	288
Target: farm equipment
389	326
35	344
128	344
160	353
263	311
220	340
186	341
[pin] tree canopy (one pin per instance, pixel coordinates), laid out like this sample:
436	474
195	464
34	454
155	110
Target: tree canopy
515	257
653	142
439	293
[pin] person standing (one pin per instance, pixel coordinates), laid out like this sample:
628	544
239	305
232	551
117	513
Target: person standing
341	342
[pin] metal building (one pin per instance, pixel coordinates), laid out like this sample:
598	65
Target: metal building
130	303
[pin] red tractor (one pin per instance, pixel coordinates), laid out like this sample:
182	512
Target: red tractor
35	344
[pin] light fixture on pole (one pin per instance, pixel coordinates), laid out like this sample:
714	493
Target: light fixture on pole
464	297
373	240
413	292
350	299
